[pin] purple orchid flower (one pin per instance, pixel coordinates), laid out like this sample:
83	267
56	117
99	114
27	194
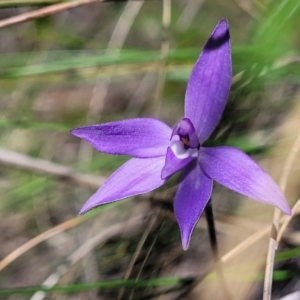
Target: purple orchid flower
159	151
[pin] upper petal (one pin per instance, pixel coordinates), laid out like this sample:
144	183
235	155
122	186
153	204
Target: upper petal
234	169
137	176
209	83
137	137
193	193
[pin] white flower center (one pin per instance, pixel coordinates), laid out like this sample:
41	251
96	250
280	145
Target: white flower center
180	152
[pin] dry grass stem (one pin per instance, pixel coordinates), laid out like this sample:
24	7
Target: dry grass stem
273	242
248	7
46	11
164	51
286	170
188	15
295	210
38	239
19	3
128	227
40	166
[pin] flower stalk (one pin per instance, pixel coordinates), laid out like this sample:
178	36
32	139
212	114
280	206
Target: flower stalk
215	249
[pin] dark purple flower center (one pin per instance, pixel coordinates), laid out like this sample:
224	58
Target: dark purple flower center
185	140
188	142
187	134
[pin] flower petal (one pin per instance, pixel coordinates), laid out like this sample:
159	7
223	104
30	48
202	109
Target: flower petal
234	169
193	193
209	83
137	137
173	163
137	176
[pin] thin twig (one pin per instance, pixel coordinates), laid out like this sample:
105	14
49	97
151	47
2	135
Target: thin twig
215	250
40	166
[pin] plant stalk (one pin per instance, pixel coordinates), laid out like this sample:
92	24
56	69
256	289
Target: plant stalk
215	249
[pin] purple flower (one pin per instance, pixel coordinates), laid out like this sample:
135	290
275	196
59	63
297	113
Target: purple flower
159	151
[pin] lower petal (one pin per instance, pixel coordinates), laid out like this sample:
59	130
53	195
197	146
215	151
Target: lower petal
173	163
137	176
193	194
234	169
